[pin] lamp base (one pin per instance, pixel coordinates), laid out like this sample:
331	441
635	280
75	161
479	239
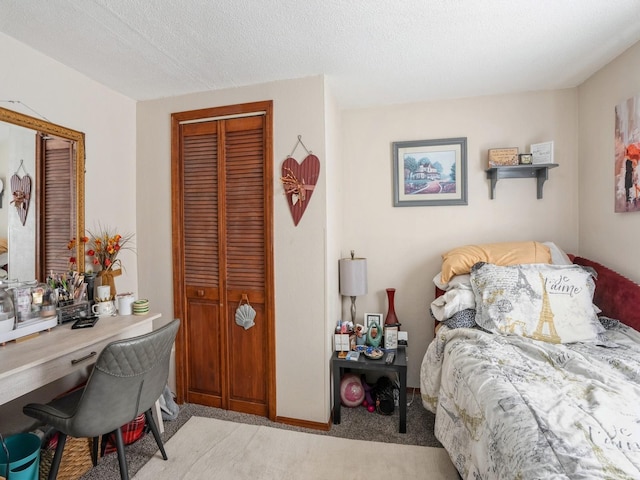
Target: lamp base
353	310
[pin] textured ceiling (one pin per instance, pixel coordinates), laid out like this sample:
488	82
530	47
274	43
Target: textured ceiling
373	51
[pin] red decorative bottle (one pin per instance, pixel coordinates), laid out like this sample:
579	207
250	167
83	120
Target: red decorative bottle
391	319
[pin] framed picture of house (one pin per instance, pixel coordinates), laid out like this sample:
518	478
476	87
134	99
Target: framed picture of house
430	172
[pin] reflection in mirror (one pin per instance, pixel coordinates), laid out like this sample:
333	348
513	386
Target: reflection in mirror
42	170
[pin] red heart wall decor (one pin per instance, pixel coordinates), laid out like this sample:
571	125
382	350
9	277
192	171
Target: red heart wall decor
299	181
21	188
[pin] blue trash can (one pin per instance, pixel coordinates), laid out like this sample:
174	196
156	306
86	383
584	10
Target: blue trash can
24	457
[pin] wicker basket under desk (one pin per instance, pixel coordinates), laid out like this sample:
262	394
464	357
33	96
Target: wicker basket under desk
76	459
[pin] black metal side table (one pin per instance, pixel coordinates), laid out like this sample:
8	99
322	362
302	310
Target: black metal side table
364	364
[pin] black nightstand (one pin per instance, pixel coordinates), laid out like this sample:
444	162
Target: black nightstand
399	365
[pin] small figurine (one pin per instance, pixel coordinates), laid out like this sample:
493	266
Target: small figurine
361	338
374	334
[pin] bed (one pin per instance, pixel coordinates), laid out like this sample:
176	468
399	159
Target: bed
539	375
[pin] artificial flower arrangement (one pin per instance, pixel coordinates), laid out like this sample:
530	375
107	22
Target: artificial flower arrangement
103	247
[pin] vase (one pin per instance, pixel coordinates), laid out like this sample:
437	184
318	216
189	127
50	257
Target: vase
107	277
391	319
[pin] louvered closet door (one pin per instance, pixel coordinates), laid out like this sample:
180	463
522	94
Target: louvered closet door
245	261
222	215
201	257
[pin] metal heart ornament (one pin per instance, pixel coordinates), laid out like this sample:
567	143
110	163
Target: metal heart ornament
21	189
299	181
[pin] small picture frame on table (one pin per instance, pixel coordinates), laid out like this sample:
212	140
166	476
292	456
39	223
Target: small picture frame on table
390	338
369	318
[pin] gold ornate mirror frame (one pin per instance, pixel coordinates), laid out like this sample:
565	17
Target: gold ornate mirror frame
38	125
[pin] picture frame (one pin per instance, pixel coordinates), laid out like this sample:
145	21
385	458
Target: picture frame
626	156
525	159
503	157
371	317
391	338
542	153
430	172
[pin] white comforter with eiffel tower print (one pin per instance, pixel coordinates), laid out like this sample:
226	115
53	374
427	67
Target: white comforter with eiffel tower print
512	407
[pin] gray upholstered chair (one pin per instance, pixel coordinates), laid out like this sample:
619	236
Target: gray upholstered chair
127	379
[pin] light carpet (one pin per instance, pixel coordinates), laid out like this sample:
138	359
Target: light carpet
209	449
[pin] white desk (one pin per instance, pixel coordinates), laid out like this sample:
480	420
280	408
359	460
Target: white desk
28	365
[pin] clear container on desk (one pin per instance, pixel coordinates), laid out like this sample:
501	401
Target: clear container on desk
28	298
48	308
7	310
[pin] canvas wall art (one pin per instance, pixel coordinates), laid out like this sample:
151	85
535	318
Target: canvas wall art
627	156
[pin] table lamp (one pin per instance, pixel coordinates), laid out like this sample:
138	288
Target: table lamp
353	280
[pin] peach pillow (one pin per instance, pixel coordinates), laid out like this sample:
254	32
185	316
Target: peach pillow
460	260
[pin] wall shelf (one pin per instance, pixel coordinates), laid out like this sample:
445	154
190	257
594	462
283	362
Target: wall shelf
539	171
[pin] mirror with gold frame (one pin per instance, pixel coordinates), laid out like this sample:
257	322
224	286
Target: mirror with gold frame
56	204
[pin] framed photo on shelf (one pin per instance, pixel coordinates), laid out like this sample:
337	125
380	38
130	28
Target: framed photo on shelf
430	172
525	158
369	318
541	153
501	157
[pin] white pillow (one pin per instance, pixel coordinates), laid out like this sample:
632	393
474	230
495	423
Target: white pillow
558	257
457	281
552	303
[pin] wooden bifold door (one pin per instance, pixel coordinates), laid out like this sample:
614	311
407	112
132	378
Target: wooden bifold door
222	188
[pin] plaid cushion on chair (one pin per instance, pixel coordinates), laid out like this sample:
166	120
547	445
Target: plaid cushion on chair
131	432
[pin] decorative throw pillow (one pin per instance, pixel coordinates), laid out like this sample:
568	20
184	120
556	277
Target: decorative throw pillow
552	303
460	260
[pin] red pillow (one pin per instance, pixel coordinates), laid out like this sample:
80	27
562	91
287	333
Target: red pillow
617	296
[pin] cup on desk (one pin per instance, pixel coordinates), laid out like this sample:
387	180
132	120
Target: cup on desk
103	293
103	309
125	301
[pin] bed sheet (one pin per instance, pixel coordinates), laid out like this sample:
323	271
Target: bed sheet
511	407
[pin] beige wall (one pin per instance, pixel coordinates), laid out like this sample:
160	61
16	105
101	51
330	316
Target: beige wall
300	252
334	233
605	236
108	119
67	98
403	245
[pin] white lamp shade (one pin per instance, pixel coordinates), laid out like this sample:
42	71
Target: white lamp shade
353	276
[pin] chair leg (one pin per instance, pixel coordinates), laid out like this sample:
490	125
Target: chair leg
122	459
57	457
103	444
94	450
156	434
